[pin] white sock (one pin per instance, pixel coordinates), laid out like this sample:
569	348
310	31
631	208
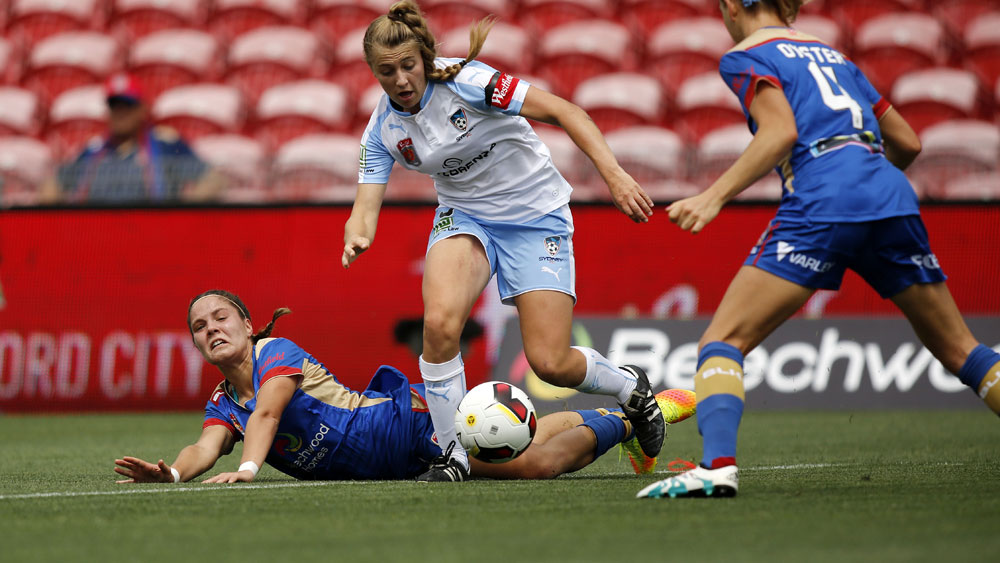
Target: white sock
603	378
445	385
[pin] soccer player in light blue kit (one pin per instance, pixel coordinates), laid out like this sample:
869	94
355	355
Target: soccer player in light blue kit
840	149
503	211
291	412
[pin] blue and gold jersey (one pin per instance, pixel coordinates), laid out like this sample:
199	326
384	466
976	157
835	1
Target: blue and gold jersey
328	431
837	170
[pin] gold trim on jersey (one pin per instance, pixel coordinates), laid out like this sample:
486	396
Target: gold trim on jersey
320	385
788	173
765	34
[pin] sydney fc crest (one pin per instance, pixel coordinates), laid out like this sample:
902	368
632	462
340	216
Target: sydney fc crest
459	120
552	245
409	153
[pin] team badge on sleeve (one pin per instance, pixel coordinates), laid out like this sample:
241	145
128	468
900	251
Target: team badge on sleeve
408	151
459	120
552	245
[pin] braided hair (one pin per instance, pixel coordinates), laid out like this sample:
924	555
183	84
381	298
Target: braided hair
242	310
406	24
787	10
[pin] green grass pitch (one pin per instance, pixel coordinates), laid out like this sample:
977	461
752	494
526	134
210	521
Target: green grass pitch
815	486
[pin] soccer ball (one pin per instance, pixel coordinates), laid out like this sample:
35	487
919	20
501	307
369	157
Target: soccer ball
495	422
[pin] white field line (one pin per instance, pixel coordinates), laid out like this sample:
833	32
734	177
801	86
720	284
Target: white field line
183	489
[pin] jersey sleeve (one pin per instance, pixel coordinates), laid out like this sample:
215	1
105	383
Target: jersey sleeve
488	89
878	104
278	357
215	415
742	71
375	161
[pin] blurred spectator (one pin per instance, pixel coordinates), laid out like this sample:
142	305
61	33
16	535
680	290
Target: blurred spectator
135	162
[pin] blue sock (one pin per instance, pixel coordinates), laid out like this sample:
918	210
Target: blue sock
609	429
719	413
977	365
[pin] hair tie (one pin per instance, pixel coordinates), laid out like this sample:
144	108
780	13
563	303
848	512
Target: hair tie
463	62
394	17
748	3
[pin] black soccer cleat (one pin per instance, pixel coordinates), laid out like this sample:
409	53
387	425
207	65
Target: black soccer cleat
644	413
444	468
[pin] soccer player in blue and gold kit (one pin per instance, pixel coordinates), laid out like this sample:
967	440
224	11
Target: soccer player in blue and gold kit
292	413
840	149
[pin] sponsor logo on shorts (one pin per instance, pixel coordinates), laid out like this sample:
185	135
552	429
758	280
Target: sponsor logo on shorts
926	261
552	245
459	120
445	222
408	151
457	166
786	250
504	91
547	270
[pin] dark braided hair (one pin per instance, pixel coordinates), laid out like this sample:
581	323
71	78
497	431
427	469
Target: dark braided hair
242	310
405	23
787	10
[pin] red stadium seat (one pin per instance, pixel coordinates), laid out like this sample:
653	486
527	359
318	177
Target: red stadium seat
705	103
201	109
930	96
77	117
508	47
175	57
574	52
11	64
621	99
34	20
366	104
138	18
268	56
231	18
446	15
645	16
853	13
334	18
71	59
982	47
685	48
668	191
568	159
349	67
718	150
543	15
649	154
889	46
983	186
242	160
955	148
320	167
24	164
958	14
824	28
20	112
287	111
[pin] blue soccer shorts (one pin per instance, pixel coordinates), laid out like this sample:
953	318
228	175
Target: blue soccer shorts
528	256
890	254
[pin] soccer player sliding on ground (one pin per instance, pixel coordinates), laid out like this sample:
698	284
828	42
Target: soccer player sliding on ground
504	211
840	149
291	412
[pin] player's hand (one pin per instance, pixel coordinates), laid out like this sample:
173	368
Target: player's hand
139	471
353	249
630	198
244	476
693	213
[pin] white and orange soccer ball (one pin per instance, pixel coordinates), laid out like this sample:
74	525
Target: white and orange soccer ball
495	422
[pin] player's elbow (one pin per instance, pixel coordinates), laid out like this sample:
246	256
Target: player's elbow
910	146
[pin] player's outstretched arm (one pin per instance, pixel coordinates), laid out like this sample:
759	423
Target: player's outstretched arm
776	135
902	145
359	232
214	442
272	398
627	195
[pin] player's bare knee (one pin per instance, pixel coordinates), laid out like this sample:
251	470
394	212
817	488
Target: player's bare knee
441	330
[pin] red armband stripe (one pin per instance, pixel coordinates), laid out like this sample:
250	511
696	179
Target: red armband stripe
278	371
752	88
881	107
219	422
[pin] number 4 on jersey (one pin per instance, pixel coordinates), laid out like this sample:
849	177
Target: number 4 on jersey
836	102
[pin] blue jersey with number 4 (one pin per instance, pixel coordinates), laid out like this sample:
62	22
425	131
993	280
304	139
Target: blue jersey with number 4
837	170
